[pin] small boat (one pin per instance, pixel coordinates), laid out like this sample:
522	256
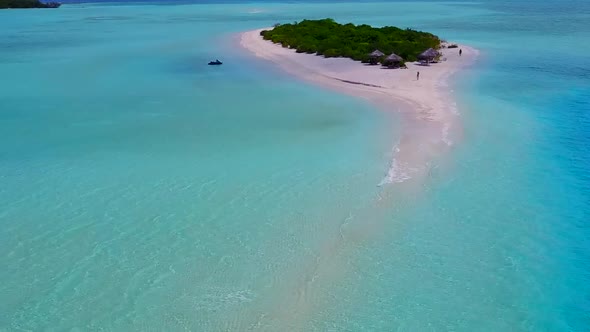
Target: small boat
215	63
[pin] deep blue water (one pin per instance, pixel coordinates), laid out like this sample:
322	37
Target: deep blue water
140	191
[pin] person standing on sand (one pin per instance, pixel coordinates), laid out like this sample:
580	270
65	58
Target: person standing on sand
417	76
460	52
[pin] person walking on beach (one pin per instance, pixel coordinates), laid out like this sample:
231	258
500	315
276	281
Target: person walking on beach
460	52
417	76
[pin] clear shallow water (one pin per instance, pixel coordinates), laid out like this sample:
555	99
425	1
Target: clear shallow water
143	190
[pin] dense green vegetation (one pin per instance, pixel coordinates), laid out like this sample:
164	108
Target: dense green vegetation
27	4
330	39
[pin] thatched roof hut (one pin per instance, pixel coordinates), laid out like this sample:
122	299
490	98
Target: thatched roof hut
428	55
393	60
376	54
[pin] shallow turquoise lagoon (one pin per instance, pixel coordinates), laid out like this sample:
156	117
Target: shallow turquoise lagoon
143	190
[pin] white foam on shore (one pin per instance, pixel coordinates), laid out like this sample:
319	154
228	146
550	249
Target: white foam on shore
454	109
445	134
401	171
397	172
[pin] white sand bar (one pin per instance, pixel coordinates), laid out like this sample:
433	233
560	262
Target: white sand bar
432	121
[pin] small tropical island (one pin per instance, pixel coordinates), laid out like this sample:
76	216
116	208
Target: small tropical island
9	4
390	46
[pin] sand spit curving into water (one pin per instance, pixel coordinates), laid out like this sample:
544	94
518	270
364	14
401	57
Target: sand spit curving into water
431	119
431	126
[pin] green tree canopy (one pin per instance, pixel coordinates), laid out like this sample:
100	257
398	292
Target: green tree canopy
331	39
26	4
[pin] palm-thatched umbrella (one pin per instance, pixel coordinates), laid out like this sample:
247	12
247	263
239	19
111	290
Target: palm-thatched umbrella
428	55
374	56
393	60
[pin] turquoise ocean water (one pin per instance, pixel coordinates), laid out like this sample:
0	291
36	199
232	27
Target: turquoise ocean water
143	190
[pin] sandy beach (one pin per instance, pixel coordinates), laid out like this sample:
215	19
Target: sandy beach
431	119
